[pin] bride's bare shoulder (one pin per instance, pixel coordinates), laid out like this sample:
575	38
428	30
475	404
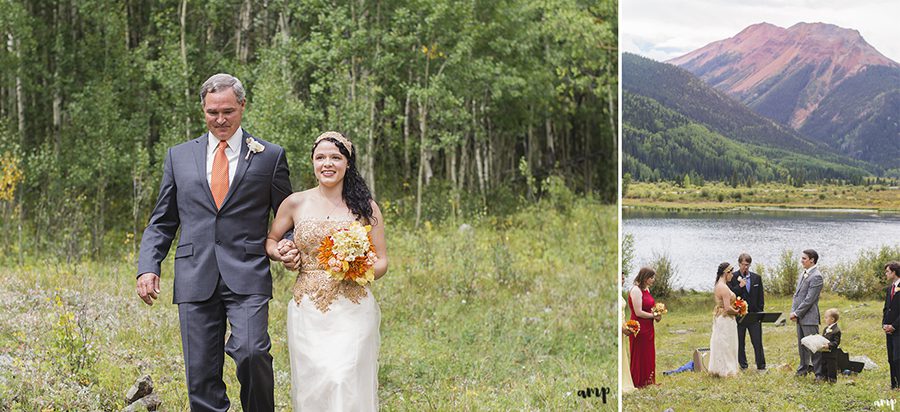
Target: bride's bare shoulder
301	197
721	289
296	200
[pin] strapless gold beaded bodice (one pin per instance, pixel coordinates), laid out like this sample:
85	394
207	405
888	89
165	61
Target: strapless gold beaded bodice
719	310
313	280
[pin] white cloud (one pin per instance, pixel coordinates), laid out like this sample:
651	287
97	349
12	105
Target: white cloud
662	29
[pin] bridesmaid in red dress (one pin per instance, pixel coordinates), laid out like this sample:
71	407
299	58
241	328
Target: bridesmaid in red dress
643	347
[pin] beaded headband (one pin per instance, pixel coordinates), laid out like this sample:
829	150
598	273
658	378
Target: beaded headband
336	136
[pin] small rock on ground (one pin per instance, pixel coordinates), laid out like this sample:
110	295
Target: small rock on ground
150	402
141	388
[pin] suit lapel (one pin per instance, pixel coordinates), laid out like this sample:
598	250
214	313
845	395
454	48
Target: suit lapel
750	283
799	282
243	164
894	306
199	150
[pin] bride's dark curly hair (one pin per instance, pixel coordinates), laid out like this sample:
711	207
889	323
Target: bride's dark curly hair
356	193
721	271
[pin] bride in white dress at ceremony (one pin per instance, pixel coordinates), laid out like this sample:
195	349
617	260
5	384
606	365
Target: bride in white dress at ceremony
723	342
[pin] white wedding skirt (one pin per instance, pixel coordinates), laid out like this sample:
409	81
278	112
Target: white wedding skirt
723	347
334	355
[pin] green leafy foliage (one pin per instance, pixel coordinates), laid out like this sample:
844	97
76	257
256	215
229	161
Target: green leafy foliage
783	279
666	275
863	278
73	348
627	253
440	99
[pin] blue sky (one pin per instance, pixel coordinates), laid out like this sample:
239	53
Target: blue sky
664	29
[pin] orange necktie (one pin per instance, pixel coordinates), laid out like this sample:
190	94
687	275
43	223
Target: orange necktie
219	179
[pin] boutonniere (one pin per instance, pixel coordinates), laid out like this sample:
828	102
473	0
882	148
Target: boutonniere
254	146
896	289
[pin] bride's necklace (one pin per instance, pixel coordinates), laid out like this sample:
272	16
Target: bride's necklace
334	205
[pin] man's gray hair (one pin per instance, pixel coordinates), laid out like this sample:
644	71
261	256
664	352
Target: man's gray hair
219	82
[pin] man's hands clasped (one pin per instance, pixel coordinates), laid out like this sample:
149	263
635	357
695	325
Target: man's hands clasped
290	256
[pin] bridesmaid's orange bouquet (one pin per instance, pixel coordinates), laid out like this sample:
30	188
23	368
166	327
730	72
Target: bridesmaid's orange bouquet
741	306
659	309
633	326
348	254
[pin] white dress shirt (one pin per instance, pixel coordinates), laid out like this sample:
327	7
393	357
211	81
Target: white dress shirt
806	271
231	152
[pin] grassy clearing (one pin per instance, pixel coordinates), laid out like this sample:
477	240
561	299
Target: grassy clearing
720	196
509	315
778	389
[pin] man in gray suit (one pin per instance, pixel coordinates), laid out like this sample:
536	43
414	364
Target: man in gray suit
219	189
805	311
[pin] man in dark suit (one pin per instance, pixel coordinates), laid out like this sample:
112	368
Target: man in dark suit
890	322
749	287
219	189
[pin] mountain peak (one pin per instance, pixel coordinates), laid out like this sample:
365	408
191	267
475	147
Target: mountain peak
760	28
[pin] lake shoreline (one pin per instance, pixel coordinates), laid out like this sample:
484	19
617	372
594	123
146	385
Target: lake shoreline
731	207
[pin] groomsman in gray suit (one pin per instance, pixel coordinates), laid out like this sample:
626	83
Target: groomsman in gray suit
219	190
805	311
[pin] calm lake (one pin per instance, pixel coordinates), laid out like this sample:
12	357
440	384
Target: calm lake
698	241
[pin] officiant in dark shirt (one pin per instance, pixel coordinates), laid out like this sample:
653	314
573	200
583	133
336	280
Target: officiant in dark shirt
749	287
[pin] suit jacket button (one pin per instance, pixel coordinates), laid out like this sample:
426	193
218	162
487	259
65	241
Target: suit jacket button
218	242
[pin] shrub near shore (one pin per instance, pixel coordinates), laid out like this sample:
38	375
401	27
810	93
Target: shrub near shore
719	195
857	280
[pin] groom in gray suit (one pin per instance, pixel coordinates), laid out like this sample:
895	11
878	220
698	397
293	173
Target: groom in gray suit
805	311
219	189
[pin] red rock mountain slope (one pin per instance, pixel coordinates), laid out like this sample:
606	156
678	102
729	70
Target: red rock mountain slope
783	74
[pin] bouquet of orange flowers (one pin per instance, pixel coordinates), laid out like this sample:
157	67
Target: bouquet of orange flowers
633	326
348	254
659	309
741	306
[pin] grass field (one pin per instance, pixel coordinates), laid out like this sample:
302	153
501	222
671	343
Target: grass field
719	196
518	313
687	326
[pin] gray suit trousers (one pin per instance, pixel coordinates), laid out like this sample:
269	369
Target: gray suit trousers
202	333
807	357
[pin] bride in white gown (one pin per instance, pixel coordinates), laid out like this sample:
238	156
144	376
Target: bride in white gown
723	342
333	326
